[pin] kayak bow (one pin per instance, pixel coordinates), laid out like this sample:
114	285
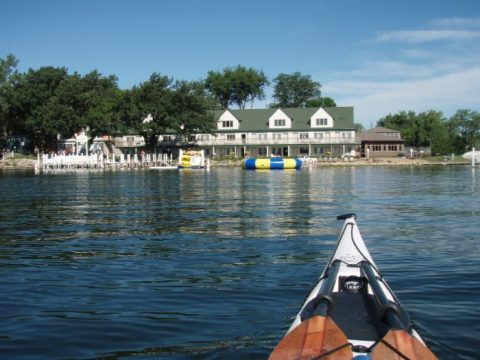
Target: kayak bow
351	313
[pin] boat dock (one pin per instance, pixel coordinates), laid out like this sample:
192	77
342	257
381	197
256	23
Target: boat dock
99	162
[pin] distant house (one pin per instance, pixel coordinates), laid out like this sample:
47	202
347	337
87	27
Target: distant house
381	142
328	131
77	144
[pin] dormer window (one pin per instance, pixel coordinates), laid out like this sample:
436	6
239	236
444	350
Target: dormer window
227	124
279	122
321	119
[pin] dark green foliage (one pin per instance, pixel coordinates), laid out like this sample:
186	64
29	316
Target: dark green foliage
321	102
458	134
179	106
236	86
464	130
296	90
47	102
7	72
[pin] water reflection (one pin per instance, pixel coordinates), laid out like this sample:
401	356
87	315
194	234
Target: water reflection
214	264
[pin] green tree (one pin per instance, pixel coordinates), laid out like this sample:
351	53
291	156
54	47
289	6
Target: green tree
179	106
35	108
7	73
151	100
236	86
47	102
295	90
424	129
464	129
190	109
321	102
99	101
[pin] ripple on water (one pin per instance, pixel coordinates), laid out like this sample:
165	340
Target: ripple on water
216	264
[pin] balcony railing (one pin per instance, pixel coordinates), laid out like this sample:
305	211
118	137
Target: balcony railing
283	141
125	143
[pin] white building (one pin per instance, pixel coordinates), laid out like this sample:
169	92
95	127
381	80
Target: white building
285	132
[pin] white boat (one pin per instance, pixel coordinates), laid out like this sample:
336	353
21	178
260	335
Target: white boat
352	313
468	156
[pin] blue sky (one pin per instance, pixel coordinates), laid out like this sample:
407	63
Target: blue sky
378	56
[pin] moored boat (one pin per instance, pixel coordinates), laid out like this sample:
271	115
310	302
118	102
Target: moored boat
352	313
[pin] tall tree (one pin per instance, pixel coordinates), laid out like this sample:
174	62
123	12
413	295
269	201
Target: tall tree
464	129
190	109
151	100
99	104
7	73
236	86
295	90
179	106
47	102
35	108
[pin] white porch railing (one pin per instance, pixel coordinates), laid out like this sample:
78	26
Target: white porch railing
284	141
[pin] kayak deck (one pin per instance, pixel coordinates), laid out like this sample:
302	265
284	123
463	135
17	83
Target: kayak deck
362	321
353	299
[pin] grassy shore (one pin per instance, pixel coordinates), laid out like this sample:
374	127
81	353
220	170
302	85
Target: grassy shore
19	162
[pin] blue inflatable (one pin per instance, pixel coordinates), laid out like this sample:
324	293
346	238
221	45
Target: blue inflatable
272	164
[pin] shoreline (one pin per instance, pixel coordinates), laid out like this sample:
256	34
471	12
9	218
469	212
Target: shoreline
24	164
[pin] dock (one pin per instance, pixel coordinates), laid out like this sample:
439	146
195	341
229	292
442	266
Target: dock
55	162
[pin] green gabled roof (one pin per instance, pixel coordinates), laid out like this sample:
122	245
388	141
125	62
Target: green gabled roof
257	119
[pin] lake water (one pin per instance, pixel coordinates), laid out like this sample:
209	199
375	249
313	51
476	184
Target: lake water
194	264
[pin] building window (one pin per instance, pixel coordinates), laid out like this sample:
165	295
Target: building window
230	137
227	124
318	135
376	147
303	135
321	122
279	122
262	151
262	136
204	137
277	136
318	150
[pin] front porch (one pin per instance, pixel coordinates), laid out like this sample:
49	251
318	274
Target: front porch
311	150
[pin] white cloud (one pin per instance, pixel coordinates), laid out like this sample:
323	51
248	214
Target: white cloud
443	76
456	22
422	36
373	100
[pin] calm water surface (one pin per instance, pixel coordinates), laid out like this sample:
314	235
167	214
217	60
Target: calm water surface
216	264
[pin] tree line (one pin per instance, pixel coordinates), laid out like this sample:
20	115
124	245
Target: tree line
457	134
42	103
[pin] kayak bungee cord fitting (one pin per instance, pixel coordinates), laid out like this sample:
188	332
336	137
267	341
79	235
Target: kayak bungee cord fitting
352	313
